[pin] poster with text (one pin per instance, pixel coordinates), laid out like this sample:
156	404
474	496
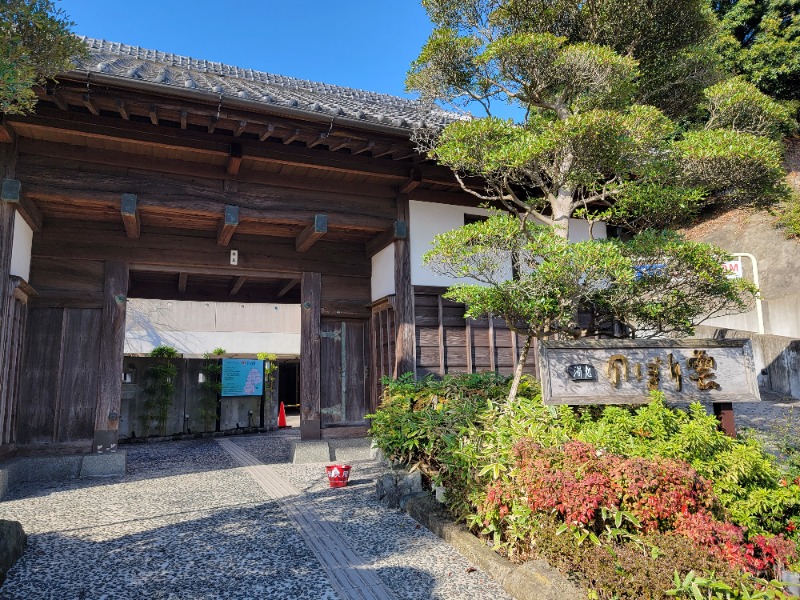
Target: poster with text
242	377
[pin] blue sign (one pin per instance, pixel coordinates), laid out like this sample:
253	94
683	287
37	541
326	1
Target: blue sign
242	377
649	270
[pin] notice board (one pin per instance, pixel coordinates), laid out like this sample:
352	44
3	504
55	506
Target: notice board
242	377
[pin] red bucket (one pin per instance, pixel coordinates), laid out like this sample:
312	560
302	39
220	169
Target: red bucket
338	475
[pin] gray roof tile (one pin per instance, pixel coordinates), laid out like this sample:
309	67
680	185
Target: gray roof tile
133	62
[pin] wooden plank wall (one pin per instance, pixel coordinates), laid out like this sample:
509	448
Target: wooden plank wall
382	332
448	343
15	322
59	380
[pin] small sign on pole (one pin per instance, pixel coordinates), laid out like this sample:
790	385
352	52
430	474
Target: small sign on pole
733	268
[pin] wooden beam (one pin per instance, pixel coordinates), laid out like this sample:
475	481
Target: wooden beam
130	216
31	214
183	279
292	137
212	124
240	128
197	142
153	114
441	335
405	344
405	155
310	303
340	145
309	236
368	147
318	140
288	287
414	179
112	349
184	119
398	232
234	160
229	271
237	285
87	102
227	225
6	135
269	131
122	109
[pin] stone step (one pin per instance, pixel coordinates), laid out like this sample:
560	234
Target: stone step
335	450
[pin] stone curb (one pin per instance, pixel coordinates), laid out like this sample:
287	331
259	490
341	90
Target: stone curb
533	580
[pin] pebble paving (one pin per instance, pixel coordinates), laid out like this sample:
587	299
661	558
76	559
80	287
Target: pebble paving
188	522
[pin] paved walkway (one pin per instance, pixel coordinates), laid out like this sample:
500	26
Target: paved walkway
229	519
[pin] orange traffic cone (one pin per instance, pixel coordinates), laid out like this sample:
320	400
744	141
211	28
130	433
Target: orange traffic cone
282	417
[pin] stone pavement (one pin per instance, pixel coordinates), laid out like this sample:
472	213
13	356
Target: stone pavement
230	519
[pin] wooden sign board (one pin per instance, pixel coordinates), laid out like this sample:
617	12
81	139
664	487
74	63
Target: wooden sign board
625	371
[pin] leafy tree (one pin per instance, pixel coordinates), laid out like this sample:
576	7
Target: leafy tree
538	282
161	389
35	45
760	39
587	141
212	387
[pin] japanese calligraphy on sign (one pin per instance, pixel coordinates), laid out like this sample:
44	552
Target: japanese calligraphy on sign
625	371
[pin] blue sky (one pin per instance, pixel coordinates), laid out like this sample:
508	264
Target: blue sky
367	44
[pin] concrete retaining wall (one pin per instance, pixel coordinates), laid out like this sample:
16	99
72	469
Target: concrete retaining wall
777	358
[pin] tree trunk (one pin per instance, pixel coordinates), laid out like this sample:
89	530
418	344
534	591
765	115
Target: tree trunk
523	357
560	206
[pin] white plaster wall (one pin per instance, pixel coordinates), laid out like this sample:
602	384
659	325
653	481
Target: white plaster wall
579	230
21	248
428	219
194	328
382	283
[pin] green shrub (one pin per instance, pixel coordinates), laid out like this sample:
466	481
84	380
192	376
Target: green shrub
461	432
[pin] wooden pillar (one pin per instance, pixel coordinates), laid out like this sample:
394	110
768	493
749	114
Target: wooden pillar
7	211
112	350
310	290
724	413
404	298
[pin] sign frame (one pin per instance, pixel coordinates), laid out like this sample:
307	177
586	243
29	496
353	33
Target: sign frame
555	354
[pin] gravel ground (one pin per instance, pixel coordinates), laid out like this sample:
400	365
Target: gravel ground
185	523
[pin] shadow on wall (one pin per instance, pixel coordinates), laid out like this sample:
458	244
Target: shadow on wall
777	358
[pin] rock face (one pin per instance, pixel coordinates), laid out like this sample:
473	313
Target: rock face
393	489
12	545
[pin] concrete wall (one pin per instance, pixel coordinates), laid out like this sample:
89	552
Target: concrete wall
777	359
194	328
777	259
184	414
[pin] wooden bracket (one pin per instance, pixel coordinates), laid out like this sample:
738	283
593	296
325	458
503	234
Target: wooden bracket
288	287
413	182
398	232
309	236
228	225
237	285
130	216
183	279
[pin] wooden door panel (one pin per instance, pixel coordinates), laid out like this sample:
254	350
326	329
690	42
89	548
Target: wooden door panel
343	371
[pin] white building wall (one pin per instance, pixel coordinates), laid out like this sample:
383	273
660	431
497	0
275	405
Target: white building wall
21	248
194	328
382	283
428	219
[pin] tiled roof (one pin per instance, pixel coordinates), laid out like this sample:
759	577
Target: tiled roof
214	78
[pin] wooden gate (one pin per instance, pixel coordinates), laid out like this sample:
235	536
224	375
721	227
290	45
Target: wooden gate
343	371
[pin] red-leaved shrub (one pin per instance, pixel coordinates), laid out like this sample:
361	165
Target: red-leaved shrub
574	482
